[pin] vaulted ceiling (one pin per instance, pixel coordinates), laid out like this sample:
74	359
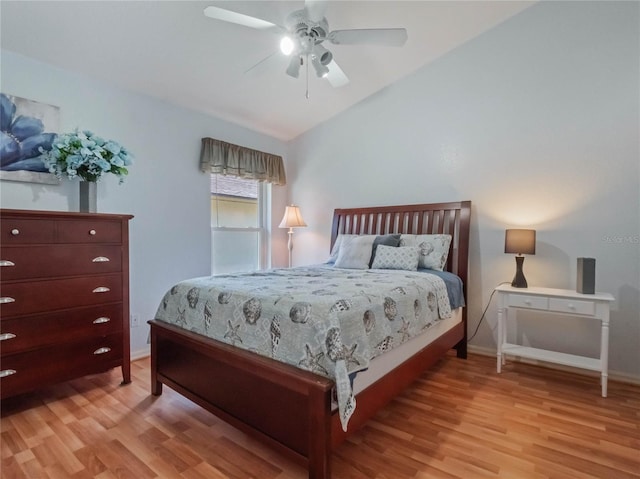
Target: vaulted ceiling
171	51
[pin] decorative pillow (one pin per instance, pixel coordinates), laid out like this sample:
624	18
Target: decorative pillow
434	249
336	247
401	257
387	240
355	252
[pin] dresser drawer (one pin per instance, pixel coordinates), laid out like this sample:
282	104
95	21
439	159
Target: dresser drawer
572	306
26	231
89	231
31	332
526	301
34	369
44	261
21	298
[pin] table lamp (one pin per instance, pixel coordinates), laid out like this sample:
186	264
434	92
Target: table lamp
520	242
291	219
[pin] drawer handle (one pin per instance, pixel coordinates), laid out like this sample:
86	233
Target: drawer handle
101	320
6	262
6	300
527	301
7	372
101	289
15	231
92	232
102	350
100	259
571	306
5	336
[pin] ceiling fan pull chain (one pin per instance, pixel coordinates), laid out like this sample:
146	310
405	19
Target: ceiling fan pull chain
307	62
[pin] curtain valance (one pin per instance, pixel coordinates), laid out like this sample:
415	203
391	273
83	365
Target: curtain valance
228	159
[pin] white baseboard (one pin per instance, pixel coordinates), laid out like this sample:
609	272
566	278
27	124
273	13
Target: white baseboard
613	375
140	353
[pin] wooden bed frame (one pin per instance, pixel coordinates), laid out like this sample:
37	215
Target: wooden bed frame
289	408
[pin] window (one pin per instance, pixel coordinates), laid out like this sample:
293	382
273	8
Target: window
239	237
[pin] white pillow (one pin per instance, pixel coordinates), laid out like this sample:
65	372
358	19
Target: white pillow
402	257
355	252
336	247
434	249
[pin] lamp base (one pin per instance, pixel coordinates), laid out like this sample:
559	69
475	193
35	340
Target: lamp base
519	281
290	244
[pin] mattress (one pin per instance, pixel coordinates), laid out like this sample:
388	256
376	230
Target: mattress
384	364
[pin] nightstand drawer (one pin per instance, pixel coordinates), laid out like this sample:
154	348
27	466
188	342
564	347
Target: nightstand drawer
572	306
525	301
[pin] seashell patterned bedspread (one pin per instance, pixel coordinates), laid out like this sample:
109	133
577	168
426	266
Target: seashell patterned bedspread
326	320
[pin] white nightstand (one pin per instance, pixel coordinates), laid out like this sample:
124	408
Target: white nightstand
555	301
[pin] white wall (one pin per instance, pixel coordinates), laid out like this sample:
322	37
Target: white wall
536	122
170	234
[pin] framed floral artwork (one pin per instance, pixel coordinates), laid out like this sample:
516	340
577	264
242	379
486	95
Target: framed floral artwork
26	126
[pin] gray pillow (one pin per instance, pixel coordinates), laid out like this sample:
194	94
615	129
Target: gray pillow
355	252
386	240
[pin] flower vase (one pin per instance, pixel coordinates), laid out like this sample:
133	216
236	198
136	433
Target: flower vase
88	197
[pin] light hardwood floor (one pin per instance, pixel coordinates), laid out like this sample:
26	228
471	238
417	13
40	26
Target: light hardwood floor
459	420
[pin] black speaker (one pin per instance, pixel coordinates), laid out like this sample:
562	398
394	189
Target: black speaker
586	282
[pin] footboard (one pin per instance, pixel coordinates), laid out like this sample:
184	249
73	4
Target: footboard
285	407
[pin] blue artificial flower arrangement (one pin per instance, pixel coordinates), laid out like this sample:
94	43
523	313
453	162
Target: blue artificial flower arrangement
87	156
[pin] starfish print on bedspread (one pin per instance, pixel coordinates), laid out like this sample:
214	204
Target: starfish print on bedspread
404	330
311	361
232	333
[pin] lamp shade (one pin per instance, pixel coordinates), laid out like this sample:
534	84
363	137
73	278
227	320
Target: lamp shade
292	218
520	241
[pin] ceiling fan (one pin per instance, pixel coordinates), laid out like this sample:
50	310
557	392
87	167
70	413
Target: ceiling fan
304	33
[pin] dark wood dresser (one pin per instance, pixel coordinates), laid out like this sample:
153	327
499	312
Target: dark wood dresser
64	297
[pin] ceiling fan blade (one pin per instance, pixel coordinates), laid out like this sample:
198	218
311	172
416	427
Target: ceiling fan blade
392	37
336	77
241	19
257	66
315	9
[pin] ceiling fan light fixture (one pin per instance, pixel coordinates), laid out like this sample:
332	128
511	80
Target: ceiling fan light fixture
324	55
287	45
321	70
293	70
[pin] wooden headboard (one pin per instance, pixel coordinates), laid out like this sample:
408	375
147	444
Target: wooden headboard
435	218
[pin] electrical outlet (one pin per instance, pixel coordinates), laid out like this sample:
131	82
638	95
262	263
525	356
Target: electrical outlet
135	320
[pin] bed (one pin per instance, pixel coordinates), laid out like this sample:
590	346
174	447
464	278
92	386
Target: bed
292	409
